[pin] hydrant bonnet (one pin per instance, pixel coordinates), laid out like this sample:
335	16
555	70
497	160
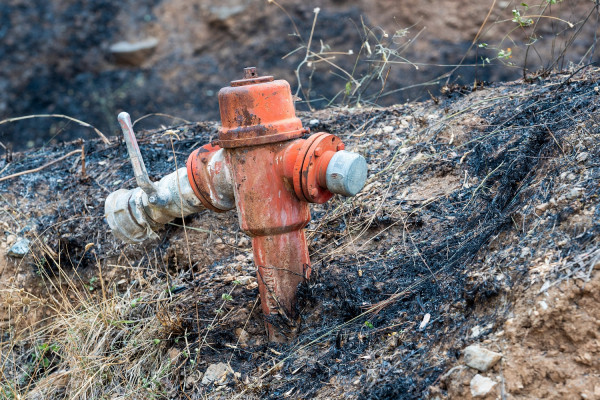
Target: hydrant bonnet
257	111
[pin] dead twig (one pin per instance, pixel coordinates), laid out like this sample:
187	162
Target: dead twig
30	171
160	115
85	124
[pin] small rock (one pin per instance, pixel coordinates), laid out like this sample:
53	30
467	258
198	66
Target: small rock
10	240
19	249
574	193
133	54
480	358
313	122
192	378
173	354
481	385
393	142
475	332
224	12
419	157
541	208
525	252
405	150
244	280
215	373
388	129
425	321
581	157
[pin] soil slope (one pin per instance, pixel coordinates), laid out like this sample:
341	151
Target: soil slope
479	224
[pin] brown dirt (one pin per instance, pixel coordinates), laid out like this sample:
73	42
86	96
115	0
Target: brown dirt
549	345
552	348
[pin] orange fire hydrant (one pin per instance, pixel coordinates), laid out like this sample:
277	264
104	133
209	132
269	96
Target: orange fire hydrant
262	168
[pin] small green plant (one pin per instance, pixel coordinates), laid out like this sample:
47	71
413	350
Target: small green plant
505	54
227	297
90	286
522	21
369	325
135	302
44	353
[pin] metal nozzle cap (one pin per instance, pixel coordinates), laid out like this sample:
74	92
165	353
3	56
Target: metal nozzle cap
120	217
346	173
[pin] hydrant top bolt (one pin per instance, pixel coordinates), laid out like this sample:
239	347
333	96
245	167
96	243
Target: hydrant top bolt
250	73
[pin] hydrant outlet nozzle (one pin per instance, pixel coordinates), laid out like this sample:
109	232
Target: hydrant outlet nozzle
346	173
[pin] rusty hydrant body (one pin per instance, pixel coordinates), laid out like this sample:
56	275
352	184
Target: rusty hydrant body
270	175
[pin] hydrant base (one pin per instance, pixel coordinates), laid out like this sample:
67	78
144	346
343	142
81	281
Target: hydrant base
283	263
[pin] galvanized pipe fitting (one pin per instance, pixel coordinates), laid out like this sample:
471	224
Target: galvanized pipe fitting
134	215
346	173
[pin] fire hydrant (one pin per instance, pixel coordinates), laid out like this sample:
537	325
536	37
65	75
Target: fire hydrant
263	168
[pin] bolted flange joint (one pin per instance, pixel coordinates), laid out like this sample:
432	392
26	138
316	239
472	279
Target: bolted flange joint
322	168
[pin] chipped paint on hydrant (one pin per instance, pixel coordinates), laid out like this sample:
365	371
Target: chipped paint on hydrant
262	168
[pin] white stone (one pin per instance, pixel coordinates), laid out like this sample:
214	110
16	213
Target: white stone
574	193
10	240
425	321
480	358
19	249
481	385
134	53
581	157
388	129
244	280
215	373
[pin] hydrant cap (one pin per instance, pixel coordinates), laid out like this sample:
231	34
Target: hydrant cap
346	173
257	110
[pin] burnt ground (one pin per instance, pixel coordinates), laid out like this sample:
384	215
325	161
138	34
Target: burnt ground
477	203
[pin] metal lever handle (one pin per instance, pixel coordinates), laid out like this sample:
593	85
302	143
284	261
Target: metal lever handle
137	162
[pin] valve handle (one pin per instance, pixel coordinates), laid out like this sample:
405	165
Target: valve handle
137	162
